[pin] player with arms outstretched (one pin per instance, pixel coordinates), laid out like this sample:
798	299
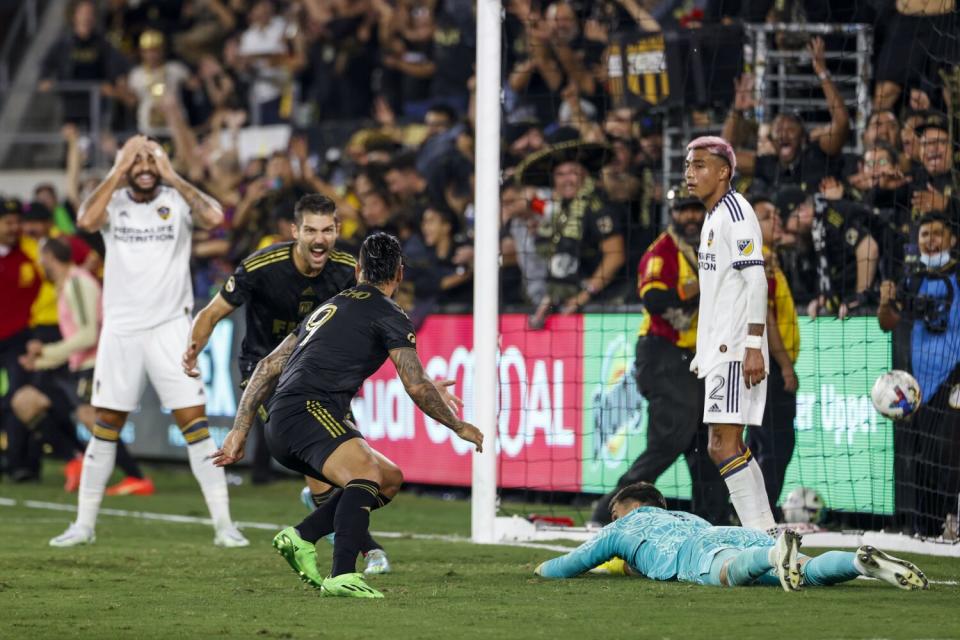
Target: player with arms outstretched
147	300
279	286
317	371
659	544
732	354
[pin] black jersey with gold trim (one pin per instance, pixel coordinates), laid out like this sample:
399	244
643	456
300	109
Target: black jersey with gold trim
341	344
277	296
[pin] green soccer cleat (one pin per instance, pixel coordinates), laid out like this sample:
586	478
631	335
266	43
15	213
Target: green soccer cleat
348	585
300	554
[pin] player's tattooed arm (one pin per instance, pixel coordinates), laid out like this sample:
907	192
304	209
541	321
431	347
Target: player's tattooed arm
261	385
424	393
207	212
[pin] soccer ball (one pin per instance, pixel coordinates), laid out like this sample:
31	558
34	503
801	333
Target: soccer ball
896	394
804	505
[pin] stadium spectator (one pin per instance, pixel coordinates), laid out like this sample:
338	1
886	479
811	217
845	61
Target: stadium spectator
154	80
407	59
846	252
669	287
583	238
920	41
19	285
933	187
408	187
910	141
927	446
265	53
83	55
454	51
774	442
518	242
446	276
206	24
800	157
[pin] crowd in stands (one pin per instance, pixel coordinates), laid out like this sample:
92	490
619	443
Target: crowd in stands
374	102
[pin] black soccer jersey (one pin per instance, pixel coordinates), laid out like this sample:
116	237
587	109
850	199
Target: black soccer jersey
341	344
277	296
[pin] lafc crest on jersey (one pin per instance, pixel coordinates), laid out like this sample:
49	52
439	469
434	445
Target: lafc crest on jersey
163	212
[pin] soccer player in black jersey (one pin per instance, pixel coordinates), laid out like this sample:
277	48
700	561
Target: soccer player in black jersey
280	285
317	371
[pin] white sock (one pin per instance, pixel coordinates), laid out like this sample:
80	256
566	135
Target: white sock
213	482
98	462
749	496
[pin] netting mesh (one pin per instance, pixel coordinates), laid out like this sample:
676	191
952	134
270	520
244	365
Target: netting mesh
823	107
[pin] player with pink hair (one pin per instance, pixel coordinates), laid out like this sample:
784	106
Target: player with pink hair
732	352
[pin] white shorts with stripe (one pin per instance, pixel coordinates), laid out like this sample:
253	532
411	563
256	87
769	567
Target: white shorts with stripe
727	399
126	361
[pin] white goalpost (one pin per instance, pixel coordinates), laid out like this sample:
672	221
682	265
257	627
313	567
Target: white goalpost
486	307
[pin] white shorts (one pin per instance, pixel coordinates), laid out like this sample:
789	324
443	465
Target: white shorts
125	361
727	399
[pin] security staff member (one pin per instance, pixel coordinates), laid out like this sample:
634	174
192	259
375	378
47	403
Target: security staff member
669	288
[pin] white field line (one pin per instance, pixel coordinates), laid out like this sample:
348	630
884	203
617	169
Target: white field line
269	526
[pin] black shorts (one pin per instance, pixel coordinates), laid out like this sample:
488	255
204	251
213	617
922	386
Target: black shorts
79	387
301	436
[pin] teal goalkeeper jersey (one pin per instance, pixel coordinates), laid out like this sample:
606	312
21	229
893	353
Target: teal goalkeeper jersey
656	543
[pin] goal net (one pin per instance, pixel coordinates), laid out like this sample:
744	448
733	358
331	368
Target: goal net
615	91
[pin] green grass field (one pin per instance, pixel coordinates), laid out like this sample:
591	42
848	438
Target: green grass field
153	579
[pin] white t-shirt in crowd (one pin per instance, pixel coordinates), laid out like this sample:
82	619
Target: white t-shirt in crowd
146	273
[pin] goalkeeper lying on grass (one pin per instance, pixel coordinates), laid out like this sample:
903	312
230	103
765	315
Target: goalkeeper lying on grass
674	545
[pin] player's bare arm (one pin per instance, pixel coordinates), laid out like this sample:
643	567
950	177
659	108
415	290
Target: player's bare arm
753	369
203	325
424	393
93	211
207	212
261	385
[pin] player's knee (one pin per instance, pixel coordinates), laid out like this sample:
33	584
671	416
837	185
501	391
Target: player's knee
115	419
392	480
29	403
721	448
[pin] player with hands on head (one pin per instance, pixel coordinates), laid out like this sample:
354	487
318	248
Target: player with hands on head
146	213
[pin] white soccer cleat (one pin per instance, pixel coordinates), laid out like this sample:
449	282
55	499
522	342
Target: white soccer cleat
900	573
377	563
787	560
230	538
74	536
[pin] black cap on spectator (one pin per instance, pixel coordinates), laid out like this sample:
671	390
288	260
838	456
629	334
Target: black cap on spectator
789	198
933	120
565	146
37	212
513	132
11	206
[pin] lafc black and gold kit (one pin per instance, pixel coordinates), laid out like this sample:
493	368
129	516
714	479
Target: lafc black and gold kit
342	343
277	296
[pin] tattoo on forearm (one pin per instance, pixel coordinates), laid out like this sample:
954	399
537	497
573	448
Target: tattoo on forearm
421	388
262	383
199	202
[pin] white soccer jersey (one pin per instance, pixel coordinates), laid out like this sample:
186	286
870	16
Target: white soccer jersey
729	242
146	274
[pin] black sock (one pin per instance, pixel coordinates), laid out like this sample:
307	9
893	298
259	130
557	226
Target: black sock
320	521
352	523
369	544
127	463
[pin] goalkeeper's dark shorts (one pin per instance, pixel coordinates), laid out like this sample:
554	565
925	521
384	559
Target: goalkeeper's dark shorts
301	436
